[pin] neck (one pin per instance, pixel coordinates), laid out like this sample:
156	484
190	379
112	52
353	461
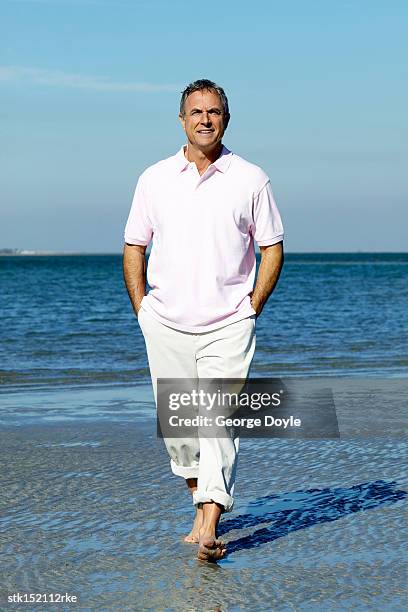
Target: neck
202	159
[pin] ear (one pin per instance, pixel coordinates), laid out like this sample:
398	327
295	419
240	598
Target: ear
226	122
182	119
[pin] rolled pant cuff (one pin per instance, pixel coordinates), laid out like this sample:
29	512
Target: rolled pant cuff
214	496
185	471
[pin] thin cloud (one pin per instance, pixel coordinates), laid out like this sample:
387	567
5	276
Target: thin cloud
58	78
82	2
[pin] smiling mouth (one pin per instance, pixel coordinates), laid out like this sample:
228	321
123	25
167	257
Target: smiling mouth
205	131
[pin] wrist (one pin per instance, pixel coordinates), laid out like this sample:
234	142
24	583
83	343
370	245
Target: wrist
137	305
256	305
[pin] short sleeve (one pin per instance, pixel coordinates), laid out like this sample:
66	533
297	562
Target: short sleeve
139	228
267	224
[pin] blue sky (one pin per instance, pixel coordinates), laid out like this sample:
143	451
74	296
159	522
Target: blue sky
89	98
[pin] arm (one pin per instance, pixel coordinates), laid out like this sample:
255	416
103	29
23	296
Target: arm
134	273
268	275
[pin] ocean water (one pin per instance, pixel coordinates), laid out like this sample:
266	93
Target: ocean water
67	320
89	504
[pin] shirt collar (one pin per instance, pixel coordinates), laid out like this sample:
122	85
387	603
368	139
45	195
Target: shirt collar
221	163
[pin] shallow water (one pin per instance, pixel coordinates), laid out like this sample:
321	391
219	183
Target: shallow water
92	509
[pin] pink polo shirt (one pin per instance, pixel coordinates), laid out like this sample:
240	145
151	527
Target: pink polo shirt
202	263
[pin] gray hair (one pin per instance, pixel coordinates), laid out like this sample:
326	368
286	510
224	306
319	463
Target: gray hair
205	85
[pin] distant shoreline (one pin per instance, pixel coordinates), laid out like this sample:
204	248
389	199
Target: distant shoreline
29	253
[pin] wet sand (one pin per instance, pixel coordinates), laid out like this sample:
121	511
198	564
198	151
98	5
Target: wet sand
89	507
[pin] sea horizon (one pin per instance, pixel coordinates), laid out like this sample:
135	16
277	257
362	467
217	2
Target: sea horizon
43	252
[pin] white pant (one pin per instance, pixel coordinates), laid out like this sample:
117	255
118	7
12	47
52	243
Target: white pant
226	352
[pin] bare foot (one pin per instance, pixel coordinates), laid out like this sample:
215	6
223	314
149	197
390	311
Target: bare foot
210	548
194	535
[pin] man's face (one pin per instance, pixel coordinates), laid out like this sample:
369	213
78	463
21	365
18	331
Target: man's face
203	121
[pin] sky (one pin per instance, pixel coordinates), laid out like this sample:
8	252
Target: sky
90	91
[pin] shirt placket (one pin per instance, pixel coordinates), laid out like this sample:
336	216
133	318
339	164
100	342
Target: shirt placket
199	180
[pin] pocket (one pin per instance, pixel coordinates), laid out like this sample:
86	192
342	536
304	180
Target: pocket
139	315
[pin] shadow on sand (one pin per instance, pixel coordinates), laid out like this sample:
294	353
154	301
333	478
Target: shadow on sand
300	509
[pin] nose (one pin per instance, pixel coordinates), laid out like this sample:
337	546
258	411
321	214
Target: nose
205	118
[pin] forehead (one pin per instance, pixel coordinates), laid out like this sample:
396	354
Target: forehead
203	99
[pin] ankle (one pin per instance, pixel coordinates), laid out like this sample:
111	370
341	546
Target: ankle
208	529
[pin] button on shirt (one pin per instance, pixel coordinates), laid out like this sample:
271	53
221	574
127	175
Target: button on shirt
202	263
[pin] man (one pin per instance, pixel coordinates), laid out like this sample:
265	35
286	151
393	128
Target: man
202	208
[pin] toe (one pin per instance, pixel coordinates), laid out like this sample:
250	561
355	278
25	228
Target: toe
191	539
